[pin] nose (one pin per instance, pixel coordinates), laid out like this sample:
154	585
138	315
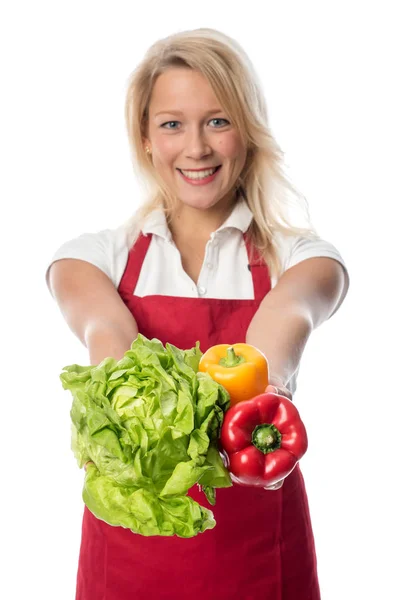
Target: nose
197	144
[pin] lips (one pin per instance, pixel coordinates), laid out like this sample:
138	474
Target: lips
198	170
200	178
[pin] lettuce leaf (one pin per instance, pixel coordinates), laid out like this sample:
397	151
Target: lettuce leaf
150	423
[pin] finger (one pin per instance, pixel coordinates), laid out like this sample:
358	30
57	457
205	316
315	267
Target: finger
89	462
281	390
272	388
285	392
275	486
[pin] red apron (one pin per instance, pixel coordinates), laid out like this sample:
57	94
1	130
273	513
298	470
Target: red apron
262	547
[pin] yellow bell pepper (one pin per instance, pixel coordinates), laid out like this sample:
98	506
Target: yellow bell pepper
240	368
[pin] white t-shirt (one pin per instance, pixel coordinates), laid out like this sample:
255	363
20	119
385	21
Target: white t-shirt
224	273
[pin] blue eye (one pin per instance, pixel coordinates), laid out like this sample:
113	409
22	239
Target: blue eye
219	119
168	123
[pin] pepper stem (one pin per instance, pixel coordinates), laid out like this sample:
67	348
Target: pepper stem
266	438
231	359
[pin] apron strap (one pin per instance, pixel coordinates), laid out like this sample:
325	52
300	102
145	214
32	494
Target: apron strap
259	270
134	265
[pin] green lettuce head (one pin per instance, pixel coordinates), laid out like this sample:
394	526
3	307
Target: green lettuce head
150	424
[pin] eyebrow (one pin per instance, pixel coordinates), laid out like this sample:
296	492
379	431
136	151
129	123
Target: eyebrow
179	112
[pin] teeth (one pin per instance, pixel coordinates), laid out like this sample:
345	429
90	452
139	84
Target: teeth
199	174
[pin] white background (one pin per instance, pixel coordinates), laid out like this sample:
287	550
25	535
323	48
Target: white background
329	73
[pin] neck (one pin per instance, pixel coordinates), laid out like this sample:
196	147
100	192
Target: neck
192	222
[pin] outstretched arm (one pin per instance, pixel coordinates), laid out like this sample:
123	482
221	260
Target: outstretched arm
305	296
92	308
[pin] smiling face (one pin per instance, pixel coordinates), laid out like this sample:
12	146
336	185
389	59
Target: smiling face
190	136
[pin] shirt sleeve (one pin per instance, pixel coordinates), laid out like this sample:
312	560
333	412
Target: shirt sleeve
107	250
300	248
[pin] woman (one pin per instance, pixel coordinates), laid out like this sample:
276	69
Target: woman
212	256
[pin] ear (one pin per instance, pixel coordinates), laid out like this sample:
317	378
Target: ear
146	144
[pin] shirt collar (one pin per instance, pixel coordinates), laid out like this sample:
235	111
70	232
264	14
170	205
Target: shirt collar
156	223
240	218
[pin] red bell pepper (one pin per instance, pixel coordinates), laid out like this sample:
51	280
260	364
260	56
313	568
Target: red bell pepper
262	440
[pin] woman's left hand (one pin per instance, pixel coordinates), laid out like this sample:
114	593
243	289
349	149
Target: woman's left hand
276	386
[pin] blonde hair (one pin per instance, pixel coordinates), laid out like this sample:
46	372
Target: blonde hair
262	183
